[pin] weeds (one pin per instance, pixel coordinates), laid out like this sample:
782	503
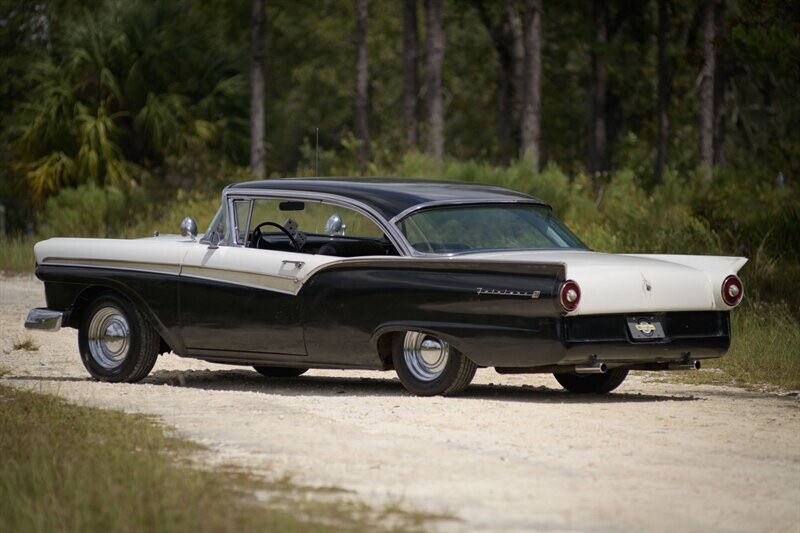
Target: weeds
26	343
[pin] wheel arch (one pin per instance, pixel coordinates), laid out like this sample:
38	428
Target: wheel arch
88	294
382	336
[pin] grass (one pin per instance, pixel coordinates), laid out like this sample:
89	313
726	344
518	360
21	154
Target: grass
765	352
72	468
16	255
765	348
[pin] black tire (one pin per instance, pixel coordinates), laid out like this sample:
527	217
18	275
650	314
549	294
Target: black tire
593	383
454	377
112	313
280	371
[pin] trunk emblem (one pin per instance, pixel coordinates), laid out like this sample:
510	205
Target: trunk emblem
645	327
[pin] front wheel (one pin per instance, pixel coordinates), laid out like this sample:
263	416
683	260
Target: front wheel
593	383
428	366
280	371
116	341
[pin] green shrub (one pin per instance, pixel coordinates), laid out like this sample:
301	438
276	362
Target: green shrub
91	211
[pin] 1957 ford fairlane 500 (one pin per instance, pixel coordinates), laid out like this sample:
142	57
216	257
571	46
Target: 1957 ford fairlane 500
430	279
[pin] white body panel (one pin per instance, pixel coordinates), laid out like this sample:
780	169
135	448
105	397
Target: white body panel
617	283
264	269
162	254
610	283
173	254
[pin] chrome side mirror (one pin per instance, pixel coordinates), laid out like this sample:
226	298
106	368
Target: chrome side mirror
334	225
189	228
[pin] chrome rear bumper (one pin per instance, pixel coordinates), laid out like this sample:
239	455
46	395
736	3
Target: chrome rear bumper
44	319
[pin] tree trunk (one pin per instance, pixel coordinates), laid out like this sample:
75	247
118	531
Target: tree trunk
663	92
257	88
706	100
434	60
532	83
504	39
362	83
410	73
720	76
598	158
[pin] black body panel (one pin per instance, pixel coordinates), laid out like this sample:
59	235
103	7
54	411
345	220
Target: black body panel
494	317
501	315
234	321
156	294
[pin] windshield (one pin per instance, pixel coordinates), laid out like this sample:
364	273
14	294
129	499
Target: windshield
475	228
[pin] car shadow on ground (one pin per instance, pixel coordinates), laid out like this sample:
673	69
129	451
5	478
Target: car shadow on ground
310	385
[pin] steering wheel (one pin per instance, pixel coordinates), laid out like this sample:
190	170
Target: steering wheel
256	235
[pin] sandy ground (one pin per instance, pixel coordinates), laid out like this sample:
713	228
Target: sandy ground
512	453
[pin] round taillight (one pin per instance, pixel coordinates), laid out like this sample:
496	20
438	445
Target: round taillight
732	290
570	295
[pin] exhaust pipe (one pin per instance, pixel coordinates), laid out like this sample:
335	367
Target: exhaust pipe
689	364
596	368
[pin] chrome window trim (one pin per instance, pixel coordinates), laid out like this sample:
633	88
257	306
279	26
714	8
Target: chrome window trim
443	203
390	230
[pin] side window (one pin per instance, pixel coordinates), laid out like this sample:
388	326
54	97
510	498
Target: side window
312	217
241	210
217	225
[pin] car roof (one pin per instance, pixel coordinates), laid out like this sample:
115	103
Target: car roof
392	196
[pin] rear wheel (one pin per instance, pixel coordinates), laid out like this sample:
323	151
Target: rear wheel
427	365
280	371
116	341
593	383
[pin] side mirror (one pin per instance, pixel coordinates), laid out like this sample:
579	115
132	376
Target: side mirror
189	228
335	225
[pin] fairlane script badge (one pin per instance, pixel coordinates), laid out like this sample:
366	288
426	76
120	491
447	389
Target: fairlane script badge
507	292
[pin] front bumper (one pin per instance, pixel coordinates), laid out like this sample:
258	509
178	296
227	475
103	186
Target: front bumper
44	319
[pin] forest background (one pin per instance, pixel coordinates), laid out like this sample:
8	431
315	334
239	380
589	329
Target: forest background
649	125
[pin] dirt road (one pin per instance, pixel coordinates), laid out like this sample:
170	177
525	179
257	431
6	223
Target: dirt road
512	453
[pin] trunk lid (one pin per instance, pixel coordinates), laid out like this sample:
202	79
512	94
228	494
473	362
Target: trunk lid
619	283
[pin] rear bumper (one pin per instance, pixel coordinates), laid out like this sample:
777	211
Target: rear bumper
588	339
44	319
686	335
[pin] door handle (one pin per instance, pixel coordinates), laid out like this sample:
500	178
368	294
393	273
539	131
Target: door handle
296	264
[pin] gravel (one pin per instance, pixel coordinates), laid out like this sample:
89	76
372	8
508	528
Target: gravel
512	453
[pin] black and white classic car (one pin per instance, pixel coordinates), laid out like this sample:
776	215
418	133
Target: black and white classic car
430	279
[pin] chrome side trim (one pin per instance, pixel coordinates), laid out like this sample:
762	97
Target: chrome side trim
157	268
285	285
44	319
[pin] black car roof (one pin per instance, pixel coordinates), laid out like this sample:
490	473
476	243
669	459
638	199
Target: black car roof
392	196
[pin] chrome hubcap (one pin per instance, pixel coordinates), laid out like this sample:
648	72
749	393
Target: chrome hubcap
109	337
425	355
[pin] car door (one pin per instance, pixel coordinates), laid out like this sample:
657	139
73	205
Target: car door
241	301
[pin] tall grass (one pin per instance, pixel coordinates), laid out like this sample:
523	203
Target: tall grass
16	255
70	468
765	347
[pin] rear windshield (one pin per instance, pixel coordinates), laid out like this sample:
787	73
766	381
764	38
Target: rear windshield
474	228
